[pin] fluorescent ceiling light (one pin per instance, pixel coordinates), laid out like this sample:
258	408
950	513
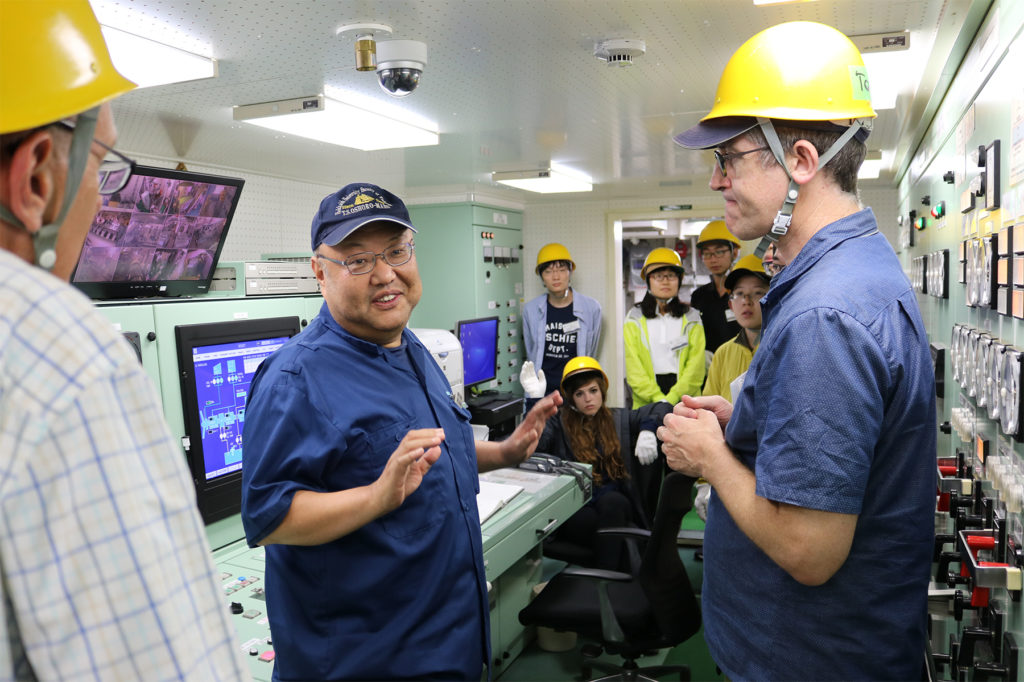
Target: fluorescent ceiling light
692	228
778	2
660	225
545	180
332	121
147	62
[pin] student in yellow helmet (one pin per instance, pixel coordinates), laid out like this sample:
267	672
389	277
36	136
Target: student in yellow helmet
557	325
621	447
747	284
824	478
106	569
718	250
663	336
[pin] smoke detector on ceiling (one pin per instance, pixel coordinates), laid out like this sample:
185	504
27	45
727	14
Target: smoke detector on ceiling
619	51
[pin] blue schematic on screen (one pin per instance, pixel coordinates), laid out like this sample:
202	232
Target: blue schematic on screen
223	373
479	339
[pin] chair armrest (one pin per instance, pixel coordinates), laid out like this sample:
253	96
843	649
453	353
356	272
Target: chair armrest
626	532
595	574
690	538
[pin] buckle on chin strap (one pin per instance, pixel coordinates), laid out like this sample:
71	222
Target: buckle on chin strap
780	225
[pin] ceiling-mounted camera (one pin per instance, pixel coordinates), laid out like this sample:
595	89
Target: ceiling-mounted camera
400	64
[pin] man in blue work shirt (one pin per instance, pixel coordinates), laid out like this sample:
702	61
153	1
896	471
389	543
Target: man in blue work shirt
360	471
820	526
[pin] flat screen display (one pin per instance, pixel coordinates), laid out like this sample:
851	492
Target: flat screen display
217	362
161	235
479	340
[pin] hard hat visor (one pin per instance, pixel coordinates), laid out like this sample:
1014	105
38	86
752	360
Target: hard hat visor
715	132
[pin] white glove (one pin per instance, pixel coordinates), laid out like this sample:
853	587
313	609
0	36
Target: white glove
646	447
701	503
533	383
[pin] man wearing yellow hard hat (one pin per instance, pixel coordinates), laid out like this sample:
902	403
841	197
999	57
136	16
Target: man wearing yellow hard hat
718	249
107	572
820	525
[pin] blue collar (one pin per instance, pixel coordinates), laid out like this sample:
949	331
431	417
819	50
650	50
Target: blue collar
856	225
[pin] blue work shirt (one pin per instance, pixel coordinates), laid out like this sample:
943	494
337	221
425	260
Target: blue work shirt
405	596
837	413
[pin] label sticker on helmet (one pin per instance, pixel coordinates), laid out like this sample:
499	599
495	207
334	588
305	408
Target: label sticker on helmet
859	83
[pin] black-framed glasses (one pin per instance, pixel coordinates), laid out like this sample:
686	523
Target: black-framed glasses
115	169
365	261
721	159
715	253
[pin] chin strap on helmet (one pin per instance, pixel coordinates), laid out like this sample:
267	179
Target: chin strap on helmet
44	240
784	217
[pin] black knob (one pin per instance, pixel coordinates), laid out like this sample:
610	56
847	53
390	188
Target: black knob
946	428
958	606
236	608
151	336
949	177
968	639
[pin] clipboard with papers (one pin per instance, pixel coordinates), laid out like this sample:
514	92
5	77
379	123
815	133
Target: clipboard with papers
494	496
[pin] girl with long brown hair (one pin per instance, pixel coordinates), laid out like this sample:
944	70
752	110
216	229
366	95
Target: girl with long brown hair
586	430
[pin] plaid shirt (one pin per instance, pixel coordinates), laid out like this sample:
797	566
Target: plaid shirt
106	572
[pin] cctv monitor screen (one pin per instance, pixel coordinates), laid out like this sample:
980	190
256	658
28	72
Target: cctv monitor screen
479	340
216	364
161	235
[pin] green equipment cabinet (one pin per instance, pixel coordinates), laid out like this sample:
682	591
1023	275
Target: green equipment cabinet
469	257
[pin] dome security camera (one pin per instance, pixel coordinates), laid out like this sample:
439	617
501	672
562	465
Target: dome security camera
399	65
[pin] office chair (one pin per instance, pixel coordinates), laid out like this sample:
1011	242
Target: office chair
629	615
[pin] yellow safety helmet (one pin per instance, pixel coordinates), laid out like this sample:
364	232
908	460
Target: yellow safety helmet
796	71
553	252
661	257
54	63
579	365
716	231
748	265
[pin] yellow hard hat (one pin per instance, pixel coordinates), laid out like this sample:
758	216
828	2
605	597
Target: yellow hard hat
662	257
54	63
796	71
553	252
748	265
578	365
716	231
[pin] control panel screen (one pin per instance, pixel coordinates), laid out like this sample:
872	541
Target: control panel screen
479	340
222	376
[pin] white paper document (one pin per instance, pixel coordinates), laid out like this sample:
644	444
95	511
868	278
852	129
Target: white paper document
494	496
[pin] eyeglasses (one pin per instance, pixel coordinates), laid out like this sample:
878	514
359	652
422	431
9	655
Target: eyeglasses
365	261
721	159
749	298
717	253
664	276
115	169
771	269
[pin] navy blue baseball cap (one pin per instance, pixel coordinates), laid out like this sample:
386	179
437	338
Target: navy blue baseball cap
353	206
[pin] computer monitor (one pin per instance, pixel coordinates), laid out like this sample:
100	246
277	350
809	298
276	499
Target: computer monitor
216	363
479	340
161	235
